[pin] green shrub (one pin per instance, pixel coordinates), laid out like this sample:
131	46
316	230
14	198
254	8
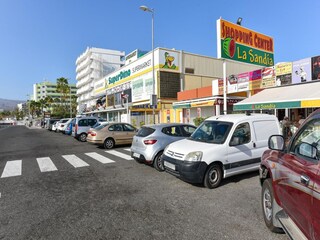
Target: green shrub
198	120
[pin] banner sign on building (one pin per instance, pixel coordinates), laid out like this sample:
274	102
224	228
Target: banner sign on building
142	88
169	60
255	79
268	77
315	63
242	44
301	71
283	73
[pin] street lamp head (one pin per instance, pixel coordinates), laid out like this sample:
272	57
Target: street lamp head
146	9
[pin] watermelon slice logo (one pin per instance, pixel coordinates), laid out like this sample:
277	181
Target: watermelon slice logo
229	47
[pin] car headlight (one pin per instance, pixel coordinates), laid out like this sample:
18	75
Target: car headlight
194	156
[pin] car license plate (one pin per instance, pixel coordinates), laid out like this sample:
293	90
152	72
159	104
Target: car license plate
137	155
169	165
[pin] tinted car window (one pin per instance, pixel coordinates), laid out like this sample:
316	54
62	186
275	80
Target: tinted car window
129	128
187	130
172	131
111	128
92	122
118	127
243	133
145	131
83	123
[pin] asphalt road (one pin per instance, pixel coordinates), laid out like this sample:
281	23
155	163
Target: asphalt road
116	200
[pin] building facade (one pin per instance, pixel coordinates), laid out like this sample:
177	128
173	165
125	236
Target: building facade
128	90
48	89
92	65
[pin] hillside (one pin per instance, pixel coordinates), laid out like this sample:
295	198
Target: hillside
7	104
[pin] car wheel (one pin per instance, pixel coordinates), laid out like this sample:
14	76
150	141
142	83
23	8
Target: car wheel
83	137
108	143
213	176
268	201
158	163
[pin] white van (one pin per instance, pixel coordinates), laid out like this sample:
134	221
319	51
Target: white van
220	147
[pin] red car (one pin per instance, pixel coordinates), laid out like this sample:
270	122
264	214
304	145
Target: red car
290	180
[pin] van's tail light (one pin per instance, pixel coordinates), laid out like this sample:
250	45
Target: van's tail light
76	128
150	142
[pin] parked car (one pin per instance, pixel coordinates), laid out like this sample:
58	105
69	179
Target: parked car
290	180
81	126
222	146
150	141
62	124
55	126
68	130
50	123
110	134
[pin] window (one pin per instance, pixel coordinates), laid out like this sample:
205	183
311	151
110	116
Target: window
189	70
92	122
187	130
128	128
241	135
309	134
172	131
145	131
83	123
212	132
118	127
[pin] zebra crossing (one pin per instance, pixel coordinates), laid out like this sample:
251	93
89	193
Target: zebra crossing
46	164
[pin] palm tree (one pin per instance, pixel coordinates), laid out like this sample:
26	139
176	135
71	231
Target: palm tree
64	90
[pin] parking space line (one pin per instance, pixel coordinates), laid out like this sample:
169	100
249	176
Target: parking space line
46	165
127	149
99	157
12	168
119	154
75	161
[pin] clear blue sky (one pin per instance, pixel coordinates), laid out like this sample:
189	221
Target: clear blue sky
41	39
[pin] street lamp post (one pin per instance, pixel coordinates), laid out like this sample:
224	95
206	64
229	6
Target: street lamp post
153	99
70	102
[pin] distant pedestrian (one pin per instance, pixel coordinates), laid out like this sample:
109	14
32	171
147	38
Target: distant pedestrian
286	129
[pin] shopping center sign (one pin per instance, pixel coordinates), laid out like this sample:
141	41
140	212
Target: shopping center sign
241	44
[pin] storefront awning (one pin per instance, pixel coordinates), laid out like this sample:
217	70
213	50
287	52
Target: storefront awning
303	95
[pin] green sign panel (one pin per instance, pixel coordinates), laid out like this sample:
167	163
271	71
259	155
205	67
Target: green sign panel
261	106
245	54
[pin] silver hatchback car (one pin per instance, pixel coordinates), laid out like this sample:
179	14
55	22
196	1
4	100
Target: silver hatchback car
150	141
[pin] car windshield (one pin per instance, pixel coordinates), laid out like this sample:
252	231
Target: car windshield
212	132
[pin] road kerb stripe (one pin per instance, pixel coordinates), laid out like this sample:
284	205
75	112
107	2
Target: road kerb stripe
99	157
46	165
75	161
119	154
12	168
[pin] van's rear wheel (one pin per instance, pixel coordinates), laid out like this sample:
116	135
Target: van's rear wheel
213	176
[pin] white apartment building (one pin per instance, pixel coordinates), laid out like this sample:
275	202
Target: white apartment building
91	66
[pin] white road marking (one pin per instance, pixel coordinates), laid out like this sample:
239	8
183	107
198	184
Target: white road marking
46	165
119	154
127	149
75	161
99	157
12	168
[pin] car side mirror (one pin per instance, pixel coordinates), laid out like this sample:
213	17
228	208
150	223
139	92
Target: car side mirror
235	141
307	150
276	142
